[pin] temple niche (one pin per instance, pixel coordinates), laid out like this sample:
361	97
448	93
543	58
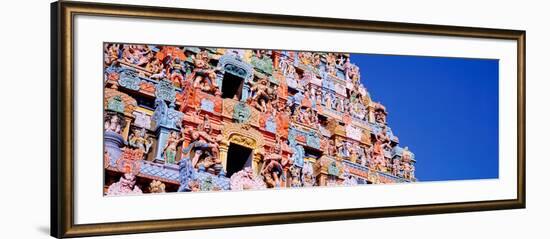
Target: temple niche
183	119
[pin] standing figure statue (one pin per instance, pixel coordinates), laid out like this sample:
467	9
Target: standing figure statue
273	166
171	147
261	94
203	143
203	76
395	167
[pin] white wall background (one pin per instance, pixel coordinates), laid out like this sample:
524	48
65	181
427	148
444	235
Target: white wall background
24	207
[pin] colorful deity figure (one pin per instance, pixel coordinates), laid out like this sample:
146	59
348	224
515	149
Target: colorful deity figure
331	64
208	163
352	74
245	180
261	94
316	60
396	167
363	156
272	168
111	53
154	66
171	147
203	143
331	148
177	72
140	140
113	122
343	148
157	187
384	138
125	186
354	152
349	180
308	177
305	57
380	114
295	174
203	75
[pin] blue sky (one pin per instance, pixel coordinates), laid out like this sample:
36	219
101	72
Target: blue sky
444	109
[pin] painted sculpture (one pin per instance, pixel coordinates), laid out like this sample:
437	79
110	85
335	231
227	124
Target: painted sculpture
187	119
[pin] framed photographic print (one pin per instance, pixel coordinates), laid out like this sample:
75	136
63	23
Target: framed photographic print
170	119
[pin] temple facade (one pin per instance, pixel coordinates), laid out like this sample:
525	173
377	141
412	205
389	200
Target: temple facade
183	119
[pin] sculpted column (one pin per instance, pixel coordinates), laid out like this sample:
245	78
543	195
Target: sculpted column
224	146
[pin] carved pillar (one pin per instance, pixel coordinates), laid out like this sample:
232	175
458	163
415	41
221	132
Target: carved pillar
256	162
322	179
126	130
224	147
162	134
245	91
219	79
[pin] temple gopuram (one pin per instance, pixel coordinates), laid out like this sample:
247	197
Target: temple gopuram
182	119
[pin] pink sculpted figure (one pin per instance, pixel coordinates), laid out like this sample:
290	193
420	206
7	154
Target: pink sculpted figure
261	95
203	140
245	180
272	167
125	186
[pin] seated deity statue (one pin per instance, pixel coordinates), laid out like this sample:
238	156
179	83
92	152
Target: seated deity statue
157	187
154	66
125	186
316	60
331	149
208	162
362	159
343	149
113	123
140	140
305	57
341	61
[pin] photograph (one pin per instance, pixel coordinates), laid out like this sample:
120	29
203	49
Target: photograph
194	119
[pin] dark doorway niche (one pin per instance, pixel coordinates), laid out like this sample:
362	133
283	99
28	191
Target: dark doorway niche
232	86
238	157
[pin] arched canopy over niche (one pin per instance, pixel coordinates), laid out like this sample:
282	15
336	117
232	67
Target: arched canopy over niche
242	146
234	77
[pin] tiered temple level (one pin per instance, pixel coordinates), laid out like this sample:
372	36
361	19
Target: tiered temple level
202	119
